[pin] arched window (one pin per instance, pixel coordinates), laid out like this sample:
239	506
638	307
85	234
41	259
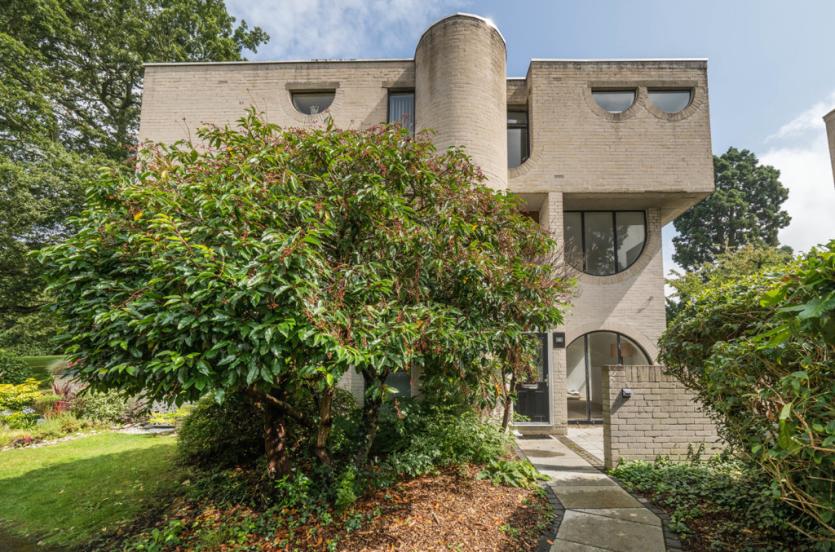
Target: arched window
585	358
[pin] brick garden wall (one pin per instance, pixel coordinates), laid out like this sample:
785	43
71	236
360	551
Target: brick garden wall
660	419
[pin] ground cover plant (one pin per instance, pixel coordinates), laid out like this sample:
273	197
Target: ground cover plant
70	493
759	350
720	504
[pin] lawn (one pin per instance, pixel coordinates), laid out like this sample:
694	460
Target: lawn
69	493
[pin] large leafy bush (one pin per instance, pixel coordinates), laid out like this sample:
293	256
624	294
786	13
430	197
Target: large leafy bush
760	352
271	261
109	407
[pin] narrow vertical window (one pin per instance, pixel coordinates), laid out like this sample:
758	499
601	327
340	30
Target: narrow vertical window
517	138
402	109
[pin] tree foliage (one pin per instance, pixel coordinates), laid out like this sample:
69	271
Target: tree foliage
759	352
82	61
746	208
273	261
726	268
70	83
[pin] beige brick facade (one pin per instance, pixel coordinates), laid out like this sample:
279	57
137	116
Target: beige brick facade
581	156
661	418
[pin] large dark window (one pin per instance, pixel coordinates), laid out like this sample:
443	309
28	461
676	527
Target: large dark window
517	138
604	242
402	109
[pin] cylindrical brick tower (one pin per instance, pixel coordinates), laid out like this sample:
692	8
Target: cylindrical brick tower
461	91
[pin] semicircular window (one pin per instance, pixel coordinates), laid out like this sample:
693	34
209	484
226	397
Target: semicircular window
670	101
614	101
311	103
602	243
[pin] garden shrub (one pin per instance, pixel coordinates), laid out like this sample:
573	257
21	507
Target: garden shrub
18	396
46	403
12	368
270	262
23	419
512	473
219	435
721	504
110	407
759	351
430	439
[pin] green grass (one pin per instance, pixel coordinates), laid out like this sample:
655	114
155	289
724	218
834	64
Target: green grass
42	366
69	493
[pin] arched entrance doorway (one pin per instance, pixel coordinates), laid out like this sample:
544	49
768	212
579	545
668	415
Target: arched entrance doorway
585	358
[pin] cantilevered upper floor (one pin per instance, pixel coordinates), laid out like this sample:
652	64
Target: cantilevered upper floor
635	132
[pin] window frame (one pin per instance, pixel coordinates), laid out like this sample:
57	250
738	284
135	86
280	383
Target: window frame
614	236
526	127
395	91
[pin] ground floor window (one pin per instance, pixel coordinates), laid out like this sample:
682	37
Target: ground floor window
402	381
585	358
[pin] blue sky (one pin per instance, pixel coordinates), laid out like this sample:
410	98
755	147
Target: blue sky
771	64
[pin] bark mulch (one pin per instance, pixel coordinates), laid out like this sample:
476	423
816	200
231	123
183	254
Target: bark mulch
451	511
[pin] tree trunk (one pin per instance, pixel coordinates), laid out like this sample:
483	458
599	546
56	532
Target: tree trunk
275	440
370	420
507	401
325	425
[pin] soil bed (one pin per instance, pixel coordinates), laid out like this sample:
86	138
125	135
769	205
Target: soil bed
451	510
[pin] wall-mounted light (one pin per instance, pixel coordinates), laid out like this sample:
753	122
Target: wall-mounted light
626	393
559	340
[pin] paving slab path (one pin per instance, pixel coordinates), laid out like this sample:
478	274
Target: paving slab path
599	514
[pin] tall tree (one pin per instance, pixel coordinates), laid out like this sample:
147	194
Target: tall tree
70	87
746	208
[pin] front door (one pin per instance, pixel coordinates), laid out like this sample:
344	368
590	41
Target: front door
532	395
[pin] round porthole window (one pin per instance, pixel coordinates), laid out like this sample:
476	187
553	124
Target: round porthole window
312	103
670	101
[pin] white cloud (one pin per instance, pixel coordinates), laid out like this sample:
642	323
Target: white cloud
802	156
807	173
810	120
316	29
